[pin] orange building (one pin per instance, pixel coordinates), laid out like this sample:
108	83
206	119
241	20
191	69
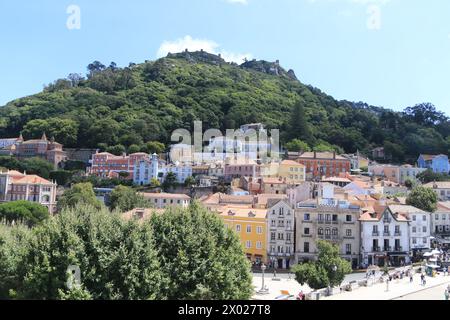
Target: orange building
328	164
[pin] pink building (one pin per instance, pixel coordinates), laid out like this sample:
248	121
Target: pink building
16	186
238	168
49	150
107	165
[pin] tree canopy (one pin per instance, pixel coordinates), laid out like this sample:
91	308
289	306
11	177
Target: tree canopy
328	271
423	198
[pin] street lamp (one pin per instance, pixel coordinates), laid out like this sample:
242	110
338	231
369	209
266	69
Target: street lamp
334	269
263	290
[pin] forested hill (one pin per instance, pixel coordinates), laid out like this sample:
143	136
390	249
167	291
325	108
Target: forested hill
113	106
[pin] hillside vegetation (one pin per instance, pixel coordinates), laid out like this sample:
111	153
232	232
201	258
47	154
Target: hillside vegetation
125	108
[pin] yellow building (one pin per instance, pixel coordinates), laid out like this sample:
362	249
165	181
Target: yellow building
292	171
250	224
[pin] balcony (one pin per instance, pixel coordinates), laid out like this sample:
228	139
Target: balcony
306	221
349	222
398	249
387	249
335	222
375	249
386	233
320	222
307	236
375	233
397	233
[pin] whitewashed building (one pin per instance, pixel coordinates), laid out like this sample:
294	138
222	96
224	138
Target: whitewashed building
145	170
280	242
419	226
384	237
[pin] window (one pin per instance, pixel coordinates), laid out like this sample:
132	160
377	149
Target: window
306	247
375	229
348	218
348	248
327	232
386	229
414	240
273	223
424	218
335	218
328	217
259	230
320	217
248	244
249	229
280	236
238	228
272	236
335	231
306	231
424	240
348	232
414	229
258	245
320	232
414	218
306	216
288	237
424	229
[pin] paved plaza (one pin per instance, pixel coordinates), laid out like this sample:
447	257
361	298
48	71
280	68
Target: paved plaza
400	289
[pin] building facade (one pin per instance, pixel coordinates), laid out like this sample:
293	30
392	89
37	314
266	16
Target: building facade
328	164
280	235
332	220
440	221
384	237
164	200
16	186
251	226
292	171
419	226
437	163
107	165
442	189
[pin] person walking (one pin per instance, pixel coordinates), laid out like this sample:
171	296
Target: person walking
446	294
411	278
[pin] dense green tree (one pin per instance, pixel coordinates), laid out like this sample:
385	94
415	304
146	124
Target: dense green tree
154	147
189	182
62	177
27	212
423	198
80	193
124	198
38	166
430	176
297	145
134	148
298	123
116	258
200	256
117	150
170	181
64	131
328	271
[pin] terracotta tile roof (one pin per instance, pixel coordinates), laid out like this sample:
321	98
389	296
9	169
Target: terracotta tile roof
30	179
443	206
291	163
321	155
230	211
163	195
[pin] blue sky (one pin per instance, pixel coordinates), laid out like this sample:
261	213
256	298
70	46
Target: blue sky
392	53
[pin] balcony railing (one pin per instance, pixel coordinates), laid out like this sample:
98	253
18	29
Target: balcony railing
386	233
398	249
398	233
375	233
375	249
387	248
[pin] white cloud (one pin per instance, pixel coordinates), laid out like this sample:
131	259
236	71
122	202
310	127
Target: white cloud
237	1
192	44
